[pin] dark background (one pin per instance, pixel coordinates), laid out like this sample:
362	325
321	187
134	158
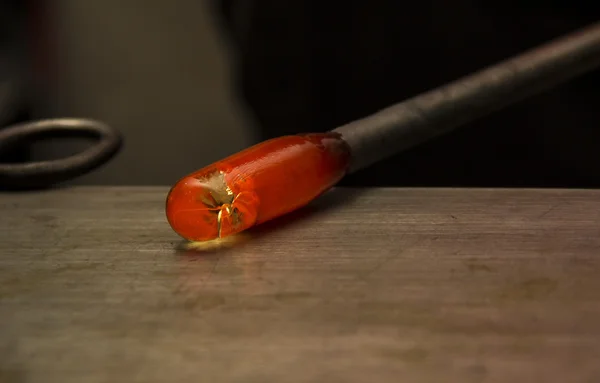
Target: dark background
193	81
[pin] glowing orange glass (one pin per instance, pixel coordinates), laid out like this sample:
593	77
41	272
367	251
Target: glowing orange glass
255	185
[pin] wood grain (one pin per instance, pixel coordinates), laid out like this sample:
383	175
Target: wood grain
373	285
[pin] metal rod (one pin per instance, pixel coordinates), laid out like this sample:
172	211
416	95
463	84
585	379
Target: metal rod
441	110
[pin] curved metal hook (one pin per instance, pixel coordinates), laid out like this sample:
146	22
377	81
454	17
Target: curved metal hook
42	174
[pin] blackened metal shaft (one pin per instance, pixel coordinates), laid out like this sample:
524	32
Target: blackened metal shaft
441	110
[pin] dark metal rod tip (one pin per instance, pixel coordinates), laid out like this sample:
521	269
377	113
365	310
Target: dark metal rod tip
441	110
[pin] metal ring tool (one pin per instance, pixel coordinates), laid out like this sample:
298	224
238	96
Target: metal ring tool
42	174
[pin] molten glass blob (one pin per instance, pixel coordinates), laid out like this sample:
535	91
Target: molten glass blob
255	185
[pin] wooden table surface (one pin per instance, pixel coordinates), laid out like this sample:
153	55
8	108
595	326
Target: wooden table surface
374	285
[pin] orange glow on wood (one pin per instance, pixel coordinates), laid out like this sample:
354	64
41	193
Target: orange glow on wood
255	185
